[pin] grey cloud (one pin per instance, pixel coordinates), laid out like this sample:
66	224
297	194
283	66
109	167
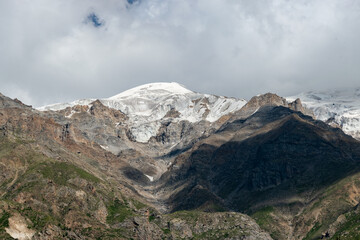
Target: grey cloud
235	48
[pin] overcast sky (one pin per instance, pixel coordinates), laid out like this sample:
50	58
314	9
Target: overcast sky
62	50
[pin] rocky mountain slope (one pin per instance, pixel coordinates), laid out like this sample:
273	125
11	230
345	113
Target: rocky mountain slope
162	162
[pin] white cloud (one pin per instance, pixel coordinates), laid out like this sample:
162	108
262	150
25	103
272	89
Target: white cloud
231	47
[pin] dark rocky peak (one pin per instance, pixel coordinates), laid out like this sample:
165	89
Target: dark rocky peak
6	102
172	113
95	109
297	106
98	109
269	100
257	102
21	103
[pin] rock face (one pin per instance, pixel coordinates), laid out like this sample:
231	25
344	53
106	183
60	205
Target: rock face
18	228
214	226
269	100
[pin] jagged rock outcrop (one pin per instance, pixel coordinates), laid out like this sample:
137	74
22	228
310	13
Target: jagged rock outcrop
269	100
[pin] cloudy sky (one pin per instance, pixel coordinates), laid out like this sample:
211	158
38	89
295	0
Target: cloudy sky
62	50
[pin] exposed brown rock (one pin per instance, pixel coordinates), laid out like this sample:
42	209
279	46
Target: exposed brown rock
173	113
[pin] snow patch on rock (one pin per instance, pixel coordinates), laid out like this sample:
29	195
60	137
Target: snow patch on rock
150	178
104	147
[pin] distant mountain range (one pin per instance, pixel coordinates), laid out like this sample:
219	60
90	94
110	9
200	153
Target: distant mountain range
160	161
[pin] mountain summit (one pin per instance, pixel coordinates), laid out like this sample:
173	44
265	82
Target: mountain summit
153	90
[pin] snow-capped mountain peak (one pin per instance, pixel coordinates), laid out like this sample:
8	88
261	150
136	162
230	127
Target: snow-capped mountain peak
147	106
152	89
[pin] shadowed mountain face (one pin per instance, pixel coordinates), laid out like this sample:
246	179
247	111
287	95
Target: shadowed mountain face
294	175
275	157
297	155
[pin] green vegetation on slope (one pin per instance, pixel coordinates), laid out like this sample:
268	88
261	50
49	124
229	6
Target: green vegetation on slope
350	229
189	216
61	172
118	212
4	222
264	218
314	232
138	205
38	219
